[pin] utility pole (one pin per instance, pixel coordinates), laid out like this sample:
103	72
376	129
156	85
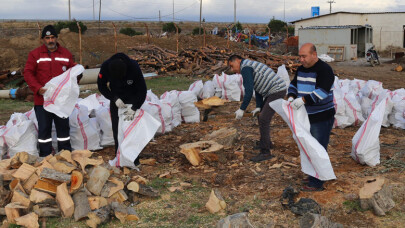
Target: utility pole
69	10
173	11
199	31
284	10
234	13
93	11
159	17
330	6
99	17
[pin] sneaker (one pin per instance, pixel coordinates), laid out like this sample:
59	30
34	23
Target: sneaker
262	157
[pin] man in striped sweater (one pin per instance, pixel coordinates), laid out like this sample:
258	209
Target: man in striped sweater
268	87
312	88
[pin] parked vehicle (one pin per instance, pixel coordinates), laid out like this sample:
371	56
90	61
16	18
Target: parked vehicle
372	56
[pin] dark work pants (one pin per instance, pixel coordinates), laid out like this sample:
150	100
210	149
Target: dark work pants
265	117
321	132
45	120
114	123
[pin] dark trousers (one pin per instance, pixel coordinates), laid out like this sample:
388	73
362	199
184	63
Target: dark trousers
114	123
45	120
321	132
265	117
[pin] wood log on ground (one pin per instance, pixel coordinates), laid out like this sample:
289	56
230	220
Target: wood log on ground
142	189
124	213
106	189
223	136
29	220
47	211
377	195
7	174
119	185
14	210
139	179
44	164
40	197
29	184
97	202
83	158
76	181
47	185
98	216
235	220
65	201
119	196
64	167
20	158
215	202
82	206
66	155
310	220
195	152
16	184
21	197
55	175
98	177
24	172
149	161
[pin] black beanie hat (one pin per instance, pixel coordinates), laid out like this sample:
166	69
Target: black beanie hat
48	30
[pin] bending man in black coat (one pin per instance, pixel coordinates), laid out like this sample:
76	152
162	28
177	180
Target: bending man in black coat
121	81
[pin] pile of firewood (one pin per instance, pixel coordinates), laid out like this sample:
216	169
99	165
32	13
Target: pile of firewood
204	61
69	184
6	77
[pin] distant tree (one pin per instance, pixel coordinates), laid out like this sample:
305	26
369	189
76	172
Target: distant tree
237	26
72	25
169	27
196	31
130	32
276	25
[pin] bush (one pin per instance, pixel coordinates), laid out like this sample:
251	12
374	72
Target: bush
276	25
72	25
169	27
130	32
238	26
196	31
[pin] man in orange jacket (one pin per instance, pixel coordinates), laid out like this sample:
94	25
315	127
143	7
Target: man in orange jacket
43	64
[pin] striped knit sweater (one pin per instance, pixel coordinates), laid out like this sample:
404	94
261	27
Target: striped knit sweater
315	85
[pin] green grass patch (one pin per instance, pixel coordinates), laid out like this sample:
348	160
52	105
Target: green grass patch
353	205
9	106
163	84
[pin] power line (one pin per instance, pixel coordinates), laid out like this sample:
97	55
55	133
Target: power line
330	5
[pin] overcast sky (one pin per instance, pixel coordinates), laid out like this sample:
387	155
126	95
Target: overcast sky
260	11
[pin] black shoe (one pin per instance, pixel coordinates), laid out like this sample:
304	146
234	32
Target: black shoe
257	145
262	157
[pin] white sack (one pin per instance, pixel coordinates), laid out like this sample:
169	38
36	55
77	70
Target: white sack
189	113
91	102
62	92
232	89
314	158
103	118
218	81
371	89
197	88
172	99
161	112
397	116
133	136
326	58
366	143
208	90
353	109
283	73
150	96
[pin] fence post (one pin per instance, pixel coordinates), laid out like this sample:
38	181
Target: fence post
269	38
115	37
147	33
204	42
39	33
177	37
286	41
80	42
229	35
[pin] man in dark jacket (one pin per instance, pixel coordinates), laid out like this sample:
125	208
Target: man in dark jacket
43	64
121	81
312	88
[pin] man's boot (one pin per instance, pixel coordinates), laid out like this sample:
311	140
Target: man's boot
262	156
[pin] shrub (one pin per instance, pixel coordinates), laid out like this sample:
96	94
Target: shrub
196	31
276	25
169	27
238	26
130	32
72	25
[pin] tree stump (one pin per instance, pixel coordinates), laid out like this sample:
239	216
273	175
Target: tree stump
196	152
377	195
223	136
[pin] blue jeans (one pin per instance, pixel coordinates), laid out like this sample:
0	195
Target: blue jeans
321	132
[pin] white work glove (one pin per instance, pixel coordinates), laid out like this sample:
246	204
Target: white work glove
290	99
239	114
255	111
120	104
297	103
130	114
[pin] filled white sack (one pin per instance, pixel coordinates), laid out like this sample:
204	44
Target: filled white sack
172	99
133	136
91	102
208	90
218	80
232	87
314	158
161	112
62	92
366	143
150	96
283	73
189	113
197	88
103	118
397	116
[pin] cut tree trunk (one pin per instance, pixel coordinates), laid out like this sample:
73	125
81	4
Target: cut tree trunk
65	201
82	206
223	136
142	189
21	158
76	181
30	220
55	175
66	156
47	211
215	202
98	177
47	186
311	220
99	216
64	167
196	152
377	195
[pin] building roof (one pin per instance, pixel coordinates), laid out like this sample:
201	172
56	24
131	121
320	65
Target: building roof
337	27
324	15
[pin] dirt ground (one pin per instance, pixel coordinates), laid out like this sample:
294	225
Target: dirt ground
242	183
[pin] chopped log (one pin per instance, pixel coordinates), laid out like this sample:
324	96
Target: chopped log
20	158
83	158
235	220
16	184
40	197
98	216
140	179
14	210
119	185
30	220
24	172
82	206
30	182
45	186
149	161
398	68
223	136
7	174
98	177
47	211
215	202
76	181
106	189
55	175
195	152
124	213
377	195
97	202
64	201
142	189
65	155
44	164
64	167
2	211
52	160
21	197
5	163
119	196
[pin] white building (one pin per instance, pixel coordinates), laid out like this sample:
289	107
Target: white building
388	28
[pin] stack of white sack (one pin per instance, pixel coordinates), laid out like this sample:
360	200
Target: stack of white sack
84	132
189	113
232	87
19	134
197	88
172	98
93	102
208	90
150	96
218	81
367	105
397	116
162	112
